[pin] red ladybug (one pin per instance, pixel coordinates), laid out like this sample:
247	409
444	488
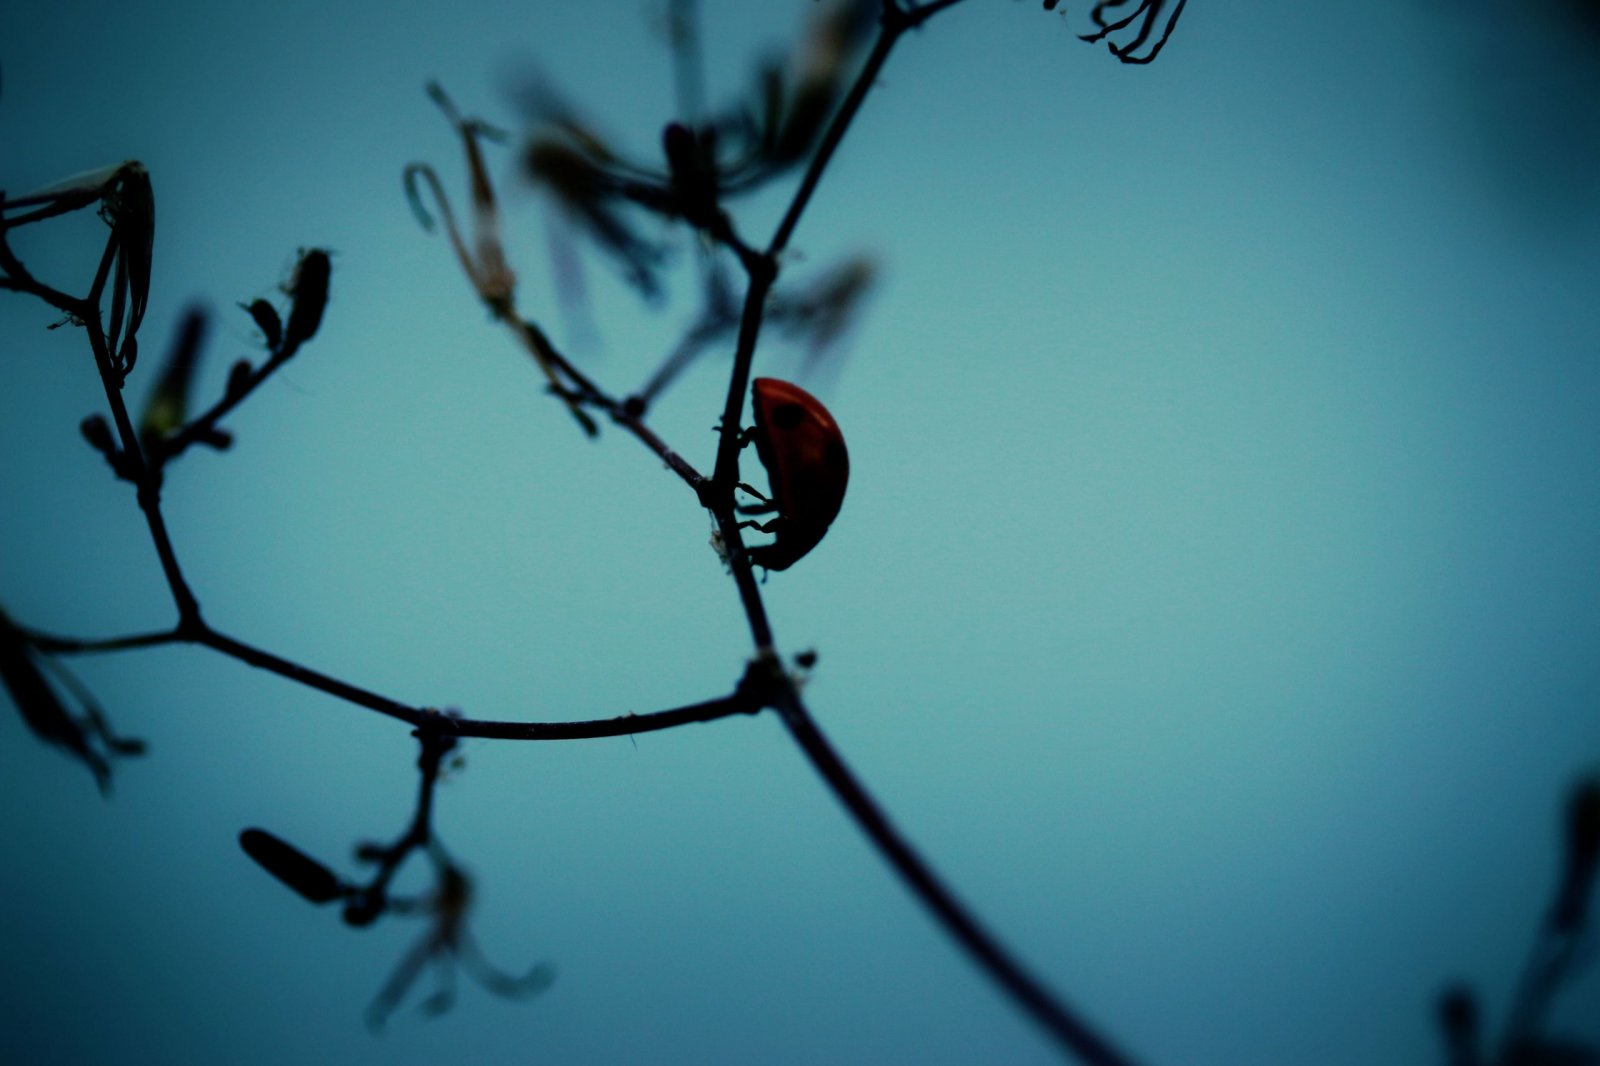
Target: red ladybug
807	465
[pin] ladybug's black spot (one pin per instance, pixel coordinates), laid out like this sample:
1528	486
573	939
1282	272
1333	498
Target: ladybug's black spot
788	415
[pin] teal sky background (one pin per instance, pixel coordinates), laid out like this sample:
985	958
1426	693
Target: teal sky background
1215	601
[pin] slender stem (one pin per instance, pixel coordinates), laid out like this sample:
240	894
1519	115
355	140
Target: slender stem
676	463
434	749
17	279
763	272
922	12
1548	967
73	646
1058	1021
146	477
425	718
894	22
205	424
534	339
892	26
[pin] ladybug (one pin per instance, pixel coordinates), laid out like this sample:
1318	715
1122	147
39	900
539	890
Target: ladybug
807	465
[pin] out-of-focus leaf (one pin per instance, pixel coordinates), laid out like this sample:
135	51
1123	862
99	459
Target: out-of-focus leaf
312	880
168	406
821	313
591	197
1458	1020
1582	857
41	707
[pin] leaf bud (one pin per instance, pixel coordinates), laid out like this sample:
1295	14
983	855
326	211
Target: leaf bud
310	293
312	880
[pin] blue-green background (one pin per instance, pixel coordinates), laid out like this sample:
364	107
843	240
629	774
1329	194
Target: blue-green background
1216	599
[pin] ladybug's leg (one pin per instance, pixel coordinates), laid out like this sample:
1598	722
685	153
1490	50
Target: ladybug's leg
766	506
745	438
764	527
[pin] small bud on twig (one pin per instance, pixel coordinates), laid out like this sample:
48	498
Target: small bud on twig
97	431
312	880
362	911
267	321
310	292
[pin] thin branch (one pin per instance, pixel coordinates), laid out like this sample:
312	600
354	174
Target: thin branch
146	477
894	23
18	279
627	415
1060	1022
204	425
739	702
718	496
75	646
923	12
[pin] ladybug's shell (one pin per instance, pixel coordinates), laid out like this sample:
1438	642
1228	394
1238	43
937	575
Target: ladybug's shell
807	465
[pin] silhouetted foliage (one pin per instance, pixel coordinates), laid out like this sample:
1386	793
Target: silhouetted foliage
85	736
630	206
1558	955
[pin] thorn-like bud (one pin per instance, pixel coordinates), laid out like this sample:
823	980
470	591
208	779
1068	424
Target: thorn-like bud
310	294
312	880
97	431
